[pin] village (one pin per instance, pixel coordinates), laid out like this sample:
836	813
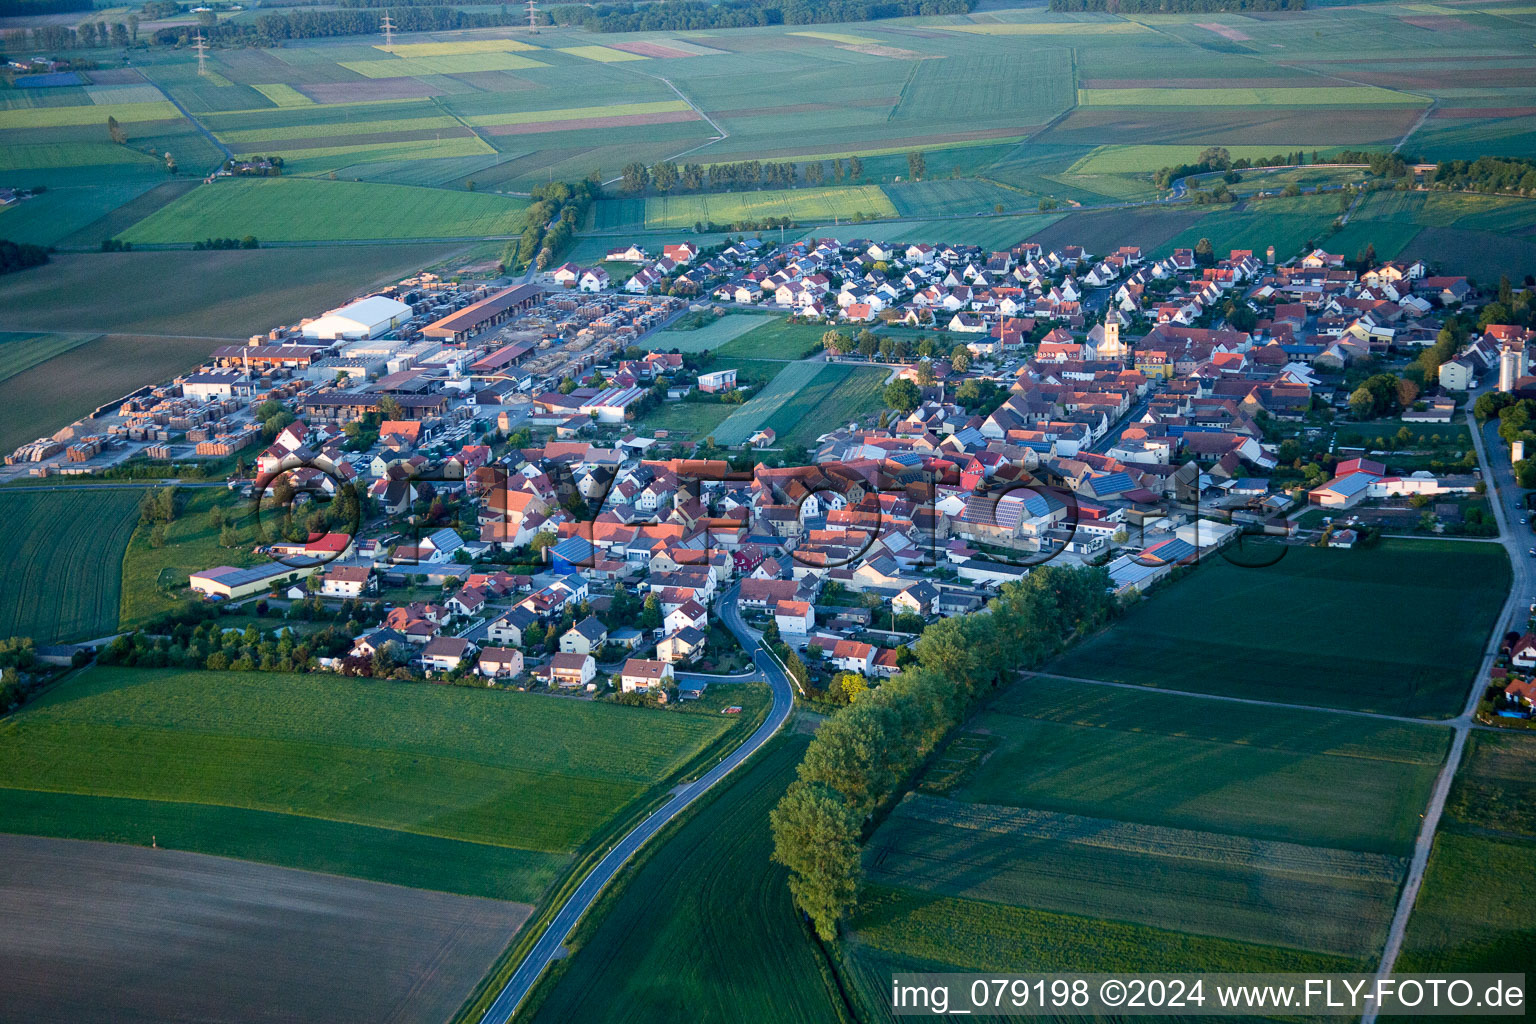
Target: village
467	468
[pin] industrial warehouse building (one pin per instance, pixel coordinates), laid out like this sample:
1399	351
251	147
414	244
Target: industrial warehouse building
365	318
231	584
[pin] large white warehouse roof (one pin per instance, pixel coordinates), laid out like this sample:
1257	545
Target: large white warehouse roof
361	319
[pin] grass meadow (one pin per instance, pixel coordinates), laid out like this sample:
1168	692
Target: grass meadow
154	579
702	927
778	339
708	336
448	768
65	582
1397	629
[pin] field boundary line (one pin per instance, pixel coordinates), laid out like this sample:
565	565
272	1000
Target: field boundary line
1252	701
1519	589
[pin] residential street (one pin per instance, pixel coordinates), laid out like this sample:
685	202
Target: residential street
550	944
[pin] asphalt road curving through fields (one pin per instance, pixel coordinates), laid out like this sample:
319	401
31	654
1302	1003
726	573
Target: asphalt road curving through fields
549	945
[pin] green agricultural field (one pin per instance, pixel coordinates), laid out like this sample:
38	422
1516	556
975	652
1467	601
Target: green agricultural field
21	352
703	927
693	420
838	395
949	196
1332	96
89	371
52	217
1467	917
1073	827
710	336
1146	158
1283	776
779	339
782	393
904	930
800	204
64	584
1286	223
1397	629
531	777
224	296
301	209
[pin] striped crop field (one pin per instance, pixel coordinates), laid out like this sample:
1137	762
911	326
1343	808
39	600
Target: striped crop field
33	156
460	47
611	110
603	54
1344	96
1110	28
71	545
837	37
335	129
780	392
398	67
284	95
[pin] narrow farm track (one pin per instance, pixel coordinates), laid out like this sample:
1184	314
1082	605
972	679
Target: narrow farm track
1225	698
551	943
1501	490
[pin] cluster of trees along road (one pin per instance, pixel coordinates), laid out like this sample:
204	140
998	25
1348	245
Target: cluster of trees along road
680	15
550	222
1218	158
864	756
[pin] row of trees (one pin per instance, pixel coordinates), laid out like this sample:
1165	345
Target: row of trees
1488	174
322	24
863	756
248	242
1177	6
1219	158
667	176
207	645
684	15
16	256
